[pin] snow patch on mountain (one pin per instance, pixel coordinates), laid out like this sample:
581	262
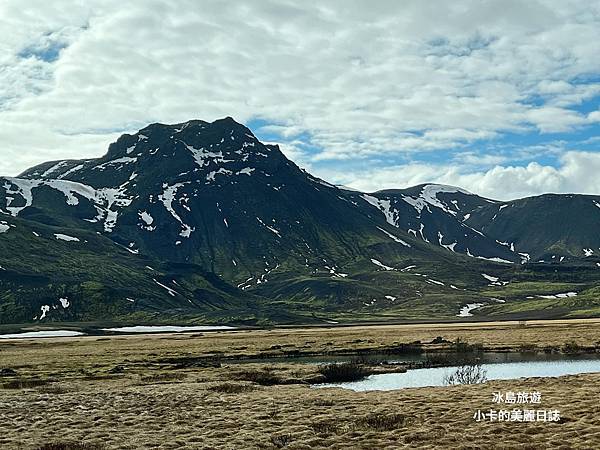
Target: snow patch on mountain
465	311
268	227
70	171
45	310
394	238
119	161
66	237
446	246
384	206
429	196
489	277
105	200
113	198
246	171
53	169
170	291
494	259
562	295
510	245
221	171
21	187
146	217
167	197
203	157
380	264
417	203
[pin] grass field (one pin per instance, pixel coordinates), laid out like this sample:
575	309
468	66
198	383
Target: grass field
182	391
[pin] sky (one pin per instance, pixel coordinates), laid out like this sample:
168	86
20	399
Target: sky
499	97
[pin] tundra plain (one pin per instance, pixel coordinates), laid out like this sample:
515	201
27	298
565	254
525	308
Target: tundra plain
214	390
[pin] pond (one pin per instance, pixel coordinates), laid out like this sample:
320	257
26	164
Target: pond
138	329
41	334
552	367
167	328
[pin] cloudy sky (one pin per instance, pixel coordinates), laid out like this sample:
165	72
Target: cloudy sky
499	97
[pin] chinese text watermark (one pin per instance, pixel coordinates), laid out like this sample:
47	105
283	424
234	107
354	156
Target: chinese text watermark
517	414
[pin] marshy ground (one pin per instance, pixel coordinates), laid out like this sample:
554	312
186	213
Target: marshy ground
186	391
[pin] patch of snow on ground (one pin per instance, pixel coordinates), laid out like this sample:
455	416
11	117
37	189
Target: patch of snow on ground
19	187
429	194
395	238
417	203
167	198
563	295
70	171
494	259
489	277
380	264
384	206
65	237
146	217
525	258
171	292
203	157
123	160
271	229
45	310
446	246
421	228
53	169
211	176
465	311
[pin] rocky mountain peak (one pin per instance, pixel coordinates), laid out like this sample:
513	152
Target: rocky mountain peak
163	139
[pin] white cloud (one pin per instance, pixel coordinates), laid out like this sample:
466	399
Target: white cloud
576	173
362	79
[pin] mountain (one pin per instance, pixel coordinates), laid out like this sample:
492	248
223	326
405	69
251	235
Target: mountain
439	214
547	228
202	222
48	274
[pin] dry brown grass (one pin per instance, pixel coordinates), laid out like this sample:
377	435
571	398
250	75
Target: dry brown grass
192	415
71	446
215	407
